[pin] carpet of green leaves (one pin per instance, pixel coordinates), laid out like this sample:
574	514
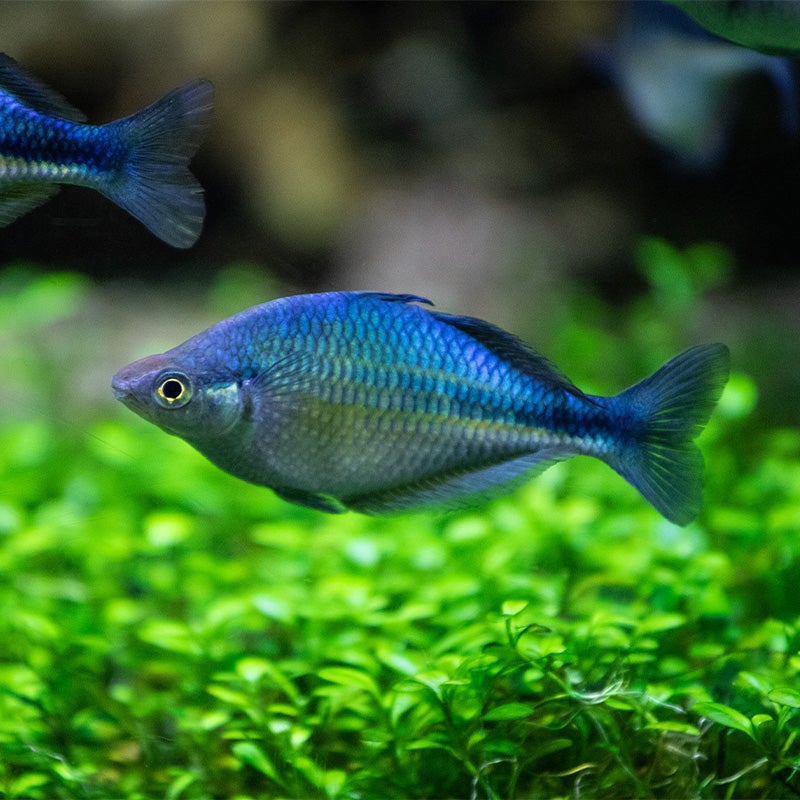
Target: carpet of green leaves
170	632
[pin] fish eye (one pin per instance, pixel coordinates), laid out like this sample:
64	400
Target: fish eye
173	390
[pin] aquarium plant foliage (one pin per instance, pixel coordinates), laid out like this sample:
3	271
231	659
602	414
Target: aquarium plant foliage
171	632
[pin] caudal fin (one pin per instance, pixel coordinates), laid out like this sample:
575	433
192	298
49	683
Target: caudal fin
671	407
155	185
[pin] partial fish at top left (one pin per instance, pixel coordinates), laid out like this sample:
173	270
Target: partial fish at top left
140	162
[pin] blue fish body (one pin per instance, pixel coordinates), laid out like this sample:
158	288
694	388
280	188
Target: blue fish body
370	402
140	162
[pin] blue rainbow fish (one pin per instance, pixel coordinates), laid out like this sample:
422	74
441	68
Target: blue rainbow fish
140	162
365	401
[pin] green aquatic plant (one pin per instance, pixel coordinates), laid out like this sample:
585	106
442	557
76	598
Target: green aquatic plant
171	632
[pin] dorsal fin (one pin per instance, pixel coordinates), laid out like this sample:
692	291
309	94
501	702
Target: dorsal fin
512	350
388	297
503	344
33	93
461	489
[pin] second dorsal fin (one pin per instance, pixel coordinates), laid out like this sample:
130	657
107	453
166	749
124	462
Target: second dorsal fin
512	350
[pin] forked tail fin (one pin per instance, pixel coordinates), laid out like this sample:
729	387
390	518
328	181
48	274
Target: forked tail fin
669	409
155	185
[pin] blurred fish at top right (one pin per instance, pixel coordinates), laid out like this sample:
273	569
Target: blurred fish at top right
681	83
771	26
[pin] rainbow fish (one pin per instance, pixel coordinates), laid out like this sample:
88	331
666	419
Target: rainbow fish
139	162
371	402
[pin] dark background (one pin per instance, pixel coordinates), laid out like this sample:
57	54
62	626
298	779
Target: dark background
477	153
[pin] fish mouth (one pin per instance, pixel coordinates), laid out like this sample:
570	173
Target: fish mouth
120	388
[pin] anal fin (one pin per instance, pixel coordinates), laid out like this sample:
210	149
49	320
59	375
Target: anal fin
21	198
463	489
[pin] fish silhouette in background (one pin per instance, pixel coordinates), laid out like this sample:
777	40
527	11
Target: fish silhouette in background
680	83
771	26
366	401
139	162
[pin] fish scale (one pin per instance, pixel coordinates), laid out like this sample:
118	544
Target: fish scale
39	146
372	402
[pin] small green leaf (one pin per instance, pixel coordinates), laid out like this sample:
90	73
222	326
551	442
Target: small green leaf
754	681
229	696
672	726
785	696
253	669
333	781
213	720
433	680
252	755
553	746
170	635
501	747
511	608
183	781
346	676
739	398
724	715
655	623
428	744
508	711
165	529
31	780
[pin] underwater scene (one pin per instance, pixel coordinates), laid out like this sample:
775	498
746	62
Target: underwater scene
399	400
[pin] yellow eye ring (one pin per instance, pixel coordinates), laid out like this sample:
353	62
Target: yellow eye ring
173	391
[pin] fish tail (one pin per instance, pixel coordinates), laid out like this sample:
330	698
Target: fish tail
155	184
662	415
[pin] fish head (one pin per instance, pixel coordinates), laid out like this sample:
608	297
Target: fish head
179	398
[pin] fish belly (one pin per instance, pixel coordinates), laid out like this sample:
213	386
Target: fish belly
351	450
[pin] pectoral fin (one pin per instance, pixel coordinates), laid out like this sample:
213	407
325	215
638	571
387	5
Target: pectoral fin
319	502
